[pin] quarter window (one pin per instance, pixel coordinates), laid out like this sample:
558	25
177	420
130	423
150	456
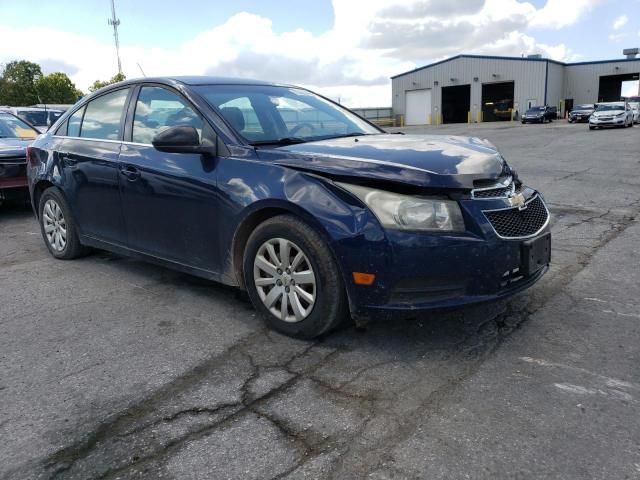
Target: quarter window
158	109
73	130
103	116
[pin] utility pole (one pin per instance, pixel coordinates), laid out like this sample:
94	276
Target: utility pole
115	22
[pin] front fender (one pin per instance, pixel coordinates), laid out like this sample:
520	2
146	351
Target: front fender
255	190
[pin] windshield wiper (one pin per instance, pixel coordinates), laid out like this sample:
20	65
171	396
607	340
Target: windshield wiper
352	134
279	141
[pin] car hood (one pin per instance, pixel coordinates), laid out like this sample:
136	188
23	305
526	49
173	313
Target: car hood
608	113
435	161
13	147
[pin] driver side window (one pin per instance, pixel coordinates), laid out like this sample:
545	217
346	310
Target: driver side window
158	109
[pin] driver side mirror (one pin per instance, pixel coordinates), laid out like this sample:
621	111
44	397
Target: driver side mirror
181	139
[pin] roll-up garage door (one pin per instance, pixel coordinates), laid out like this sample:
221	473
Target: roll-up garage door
417	107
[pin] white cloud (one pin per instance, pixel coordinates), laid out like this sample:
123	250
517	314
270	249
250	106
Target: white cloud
620	22
369	41
561	13
617	37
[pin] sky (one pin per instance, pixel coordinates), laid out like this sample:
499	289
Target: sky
345	49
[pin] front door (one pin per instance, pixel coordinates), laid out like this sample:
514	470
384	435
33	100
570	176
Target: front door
89	152
169	200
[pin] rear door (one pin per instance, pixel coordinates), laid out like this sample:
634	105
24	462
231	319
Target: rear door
169	200
89	151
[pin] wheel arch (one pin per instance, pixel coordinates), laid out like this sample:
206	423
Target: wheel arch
260	214
38	189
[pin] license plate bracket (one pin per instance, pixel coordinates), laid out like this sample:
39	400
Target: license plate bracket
535	254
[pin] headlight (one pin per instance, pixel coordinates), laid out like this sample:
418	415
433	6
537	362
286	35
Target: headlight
620	114
405	212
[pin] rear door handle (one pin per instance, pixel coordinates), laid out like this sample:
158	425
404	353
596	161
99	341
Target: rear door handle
131	172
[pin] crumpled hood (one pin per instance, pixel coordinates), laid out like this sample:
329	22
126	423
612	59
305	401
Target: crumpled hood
436	161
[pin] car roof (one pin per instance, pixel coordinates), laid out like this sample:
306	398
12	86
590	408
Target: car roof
202	80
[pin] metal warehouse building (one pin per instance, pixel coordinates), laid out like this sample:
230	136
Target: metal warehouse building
489	88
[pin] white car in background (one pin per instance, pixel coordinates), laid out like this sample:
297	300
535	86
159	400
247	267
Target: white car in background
635	108
611	114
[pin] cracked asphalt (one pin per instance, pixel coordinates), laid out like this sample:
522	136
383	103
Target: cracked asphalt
115	369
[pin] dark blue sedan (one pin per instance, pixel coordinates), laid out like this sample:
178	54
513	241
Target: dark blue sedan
317	213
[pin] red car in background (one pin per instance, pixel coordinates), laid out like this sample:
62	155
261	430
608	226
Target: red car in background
15	136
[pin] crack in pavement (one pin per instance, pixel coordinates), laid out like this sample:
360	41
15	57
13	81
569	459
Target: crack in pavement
302	362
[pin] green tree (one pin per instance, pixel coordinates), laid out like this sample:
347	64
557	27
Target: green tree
118	77
56	88
18	83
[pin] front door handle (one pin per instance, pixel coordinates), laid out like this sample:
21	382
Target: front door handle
131	172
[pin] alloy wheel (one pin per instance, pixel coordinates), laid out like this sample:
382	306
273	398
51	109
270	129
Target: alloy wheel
55	226
284	280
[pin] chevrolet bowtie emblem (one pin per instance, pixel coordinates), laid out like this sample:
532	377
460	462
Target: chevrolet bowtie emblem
517	200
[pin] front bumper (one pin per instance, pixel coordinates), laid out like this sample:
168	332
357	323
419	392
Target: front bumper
579	118
532	119
419	272
613	122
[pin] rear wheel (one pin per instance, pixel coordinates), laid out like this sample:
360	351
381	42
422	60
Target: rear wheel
292	278
58	227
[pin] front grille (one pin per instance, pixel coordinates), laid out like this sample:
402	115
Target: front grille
498	192
493	192
515	223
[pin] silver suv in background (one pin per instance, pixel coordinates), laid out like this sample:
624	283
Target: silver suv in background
611	114
40	118
635	109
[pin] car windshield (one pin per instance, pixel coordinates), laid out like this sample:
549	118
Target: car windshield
13	127
34	117
604	108
535	109
584	107
268	114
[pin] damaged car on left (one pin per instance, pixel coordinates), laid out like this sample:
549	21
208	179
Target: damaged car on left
15	136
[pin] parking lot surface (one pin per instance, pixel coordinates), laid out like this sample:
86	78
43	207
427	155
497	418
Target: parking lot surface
113	368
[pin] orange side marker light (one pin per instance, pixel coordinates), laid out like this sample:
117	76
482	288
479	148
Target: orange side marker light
363	278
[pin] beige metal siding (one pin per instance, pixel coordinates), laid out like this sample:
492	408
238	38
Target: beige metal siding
528	78
555	81
582	81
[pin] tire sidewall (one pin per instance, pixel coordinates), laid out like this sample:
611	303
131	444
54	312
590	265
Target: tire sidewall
329	289
53	194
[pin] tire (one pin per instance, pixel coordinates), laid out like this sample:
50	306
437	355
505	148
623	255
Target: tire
329	307
54	213
591	128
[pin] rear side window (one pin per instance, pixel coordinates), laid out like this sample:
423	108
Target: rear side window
158	109
73	130
103	115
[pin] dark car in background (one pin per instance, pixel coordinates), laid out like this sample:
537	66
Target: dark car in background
539	114
274	189
581	113
15	136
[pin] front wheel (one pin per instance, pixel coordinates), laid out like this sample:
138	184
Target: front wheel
292	278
